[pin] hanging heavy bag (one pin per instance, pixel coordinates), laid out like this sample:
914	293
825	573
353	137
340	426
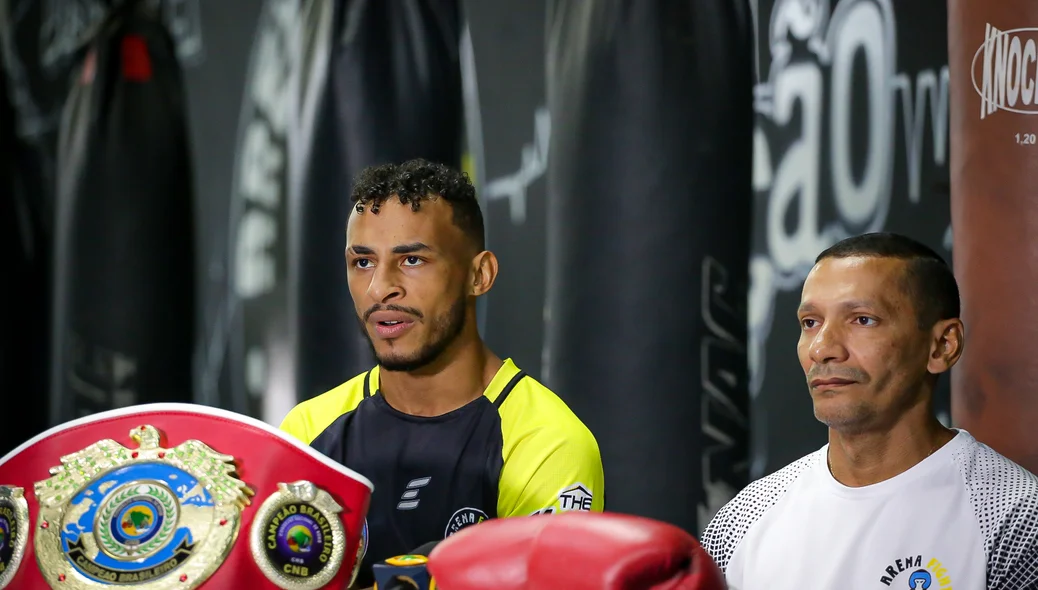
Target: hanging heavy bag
649	227
124	312
23	297
994	158
393	92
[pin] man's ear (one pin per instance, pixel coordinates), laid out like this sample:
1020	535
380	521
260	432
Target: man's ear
948	337
482	273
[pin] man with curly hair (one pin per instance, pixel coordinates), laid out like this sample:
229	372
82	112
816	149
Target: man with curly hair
449	433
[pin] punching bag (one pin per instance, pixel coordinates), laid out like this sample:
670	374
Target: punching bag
508	127
393	93
649	234
124	313
23	298
994	159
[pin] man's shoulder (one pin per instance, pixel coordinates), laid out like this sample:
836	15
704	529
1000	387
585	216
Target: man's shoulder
997	484
531	407
552	461
1004	496
309	418
761	494
341	398
538	427
728	527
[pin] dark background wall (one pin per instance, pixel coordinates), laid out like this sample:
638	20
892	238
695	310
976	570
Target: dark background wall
850	103
852	137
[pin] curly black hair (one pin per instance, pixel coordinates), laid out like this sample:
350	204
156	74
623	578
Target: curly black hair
420	180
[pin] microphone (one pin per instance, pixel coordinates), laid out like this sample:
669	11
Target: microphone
406	572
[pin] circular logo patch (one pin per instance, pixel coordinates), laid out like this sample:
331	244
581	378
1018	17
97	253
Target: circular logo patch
6	520
299	542
463	518
137	520
362	551
8	532
297	537
14	530
136	524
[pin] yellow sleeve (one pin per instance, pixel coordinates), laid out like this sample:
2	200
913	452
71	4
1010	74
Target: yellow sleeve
307	420
297	425
551	460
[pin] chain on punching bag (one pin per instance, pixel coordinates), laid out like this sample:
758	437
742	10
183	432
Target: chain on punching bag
649	233
124	261
994	167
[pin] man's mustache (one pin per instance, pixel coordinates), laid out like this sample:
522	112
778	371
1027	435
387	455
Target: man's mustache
392	307
850	374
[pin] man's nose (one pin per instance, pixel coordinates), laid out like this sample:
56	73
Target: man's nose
827	345
385	284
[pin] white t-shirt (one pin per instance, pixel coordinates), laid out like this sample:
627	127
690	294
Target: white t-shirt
965	518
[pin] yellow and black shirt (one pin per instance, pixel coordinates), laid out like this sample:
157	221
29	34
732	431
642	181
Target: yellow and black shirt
516	451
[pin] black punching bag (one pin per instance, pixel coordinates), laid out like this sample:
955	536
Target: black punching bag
393	92
649	229
125	252
23	297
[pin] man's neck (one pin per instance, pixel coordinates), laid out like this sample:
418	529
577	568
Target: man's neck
868	457
459	377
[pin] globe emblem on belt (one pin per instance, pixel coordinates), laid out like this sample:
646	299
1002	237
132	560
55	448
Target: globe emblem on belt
137	520
130	526
299	538
153	517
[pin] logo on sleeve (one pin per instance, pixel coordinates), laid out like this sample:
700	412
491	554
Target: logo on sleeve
575	497
915	573
463	518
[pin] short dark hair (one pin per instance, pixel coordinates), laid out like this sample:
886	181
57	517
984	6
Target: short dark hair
928	279
420	180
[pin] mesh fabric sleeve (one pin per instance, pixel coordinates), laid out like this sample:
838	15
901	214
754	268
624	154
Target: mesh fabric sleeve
731	523
1004	496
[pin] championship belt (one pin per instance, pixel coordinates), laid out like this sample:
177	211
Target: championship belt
177	496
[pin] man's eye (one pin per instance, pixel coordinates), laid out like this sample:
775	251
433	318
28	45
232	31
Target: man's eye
808	323
412	261
362	263
865	321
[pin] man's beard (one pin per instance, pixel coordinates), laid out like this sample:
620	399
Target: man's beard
444	330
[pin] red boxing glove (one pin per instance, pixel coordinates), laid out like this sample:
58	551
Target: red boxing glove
176	496
574	550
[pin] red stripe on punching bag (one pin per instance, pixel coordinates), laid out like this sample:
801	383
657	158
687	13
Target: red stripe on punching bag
135	59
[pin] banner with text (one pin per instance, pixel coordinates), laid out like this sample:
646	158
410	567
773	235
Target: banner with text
851	137
993	48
